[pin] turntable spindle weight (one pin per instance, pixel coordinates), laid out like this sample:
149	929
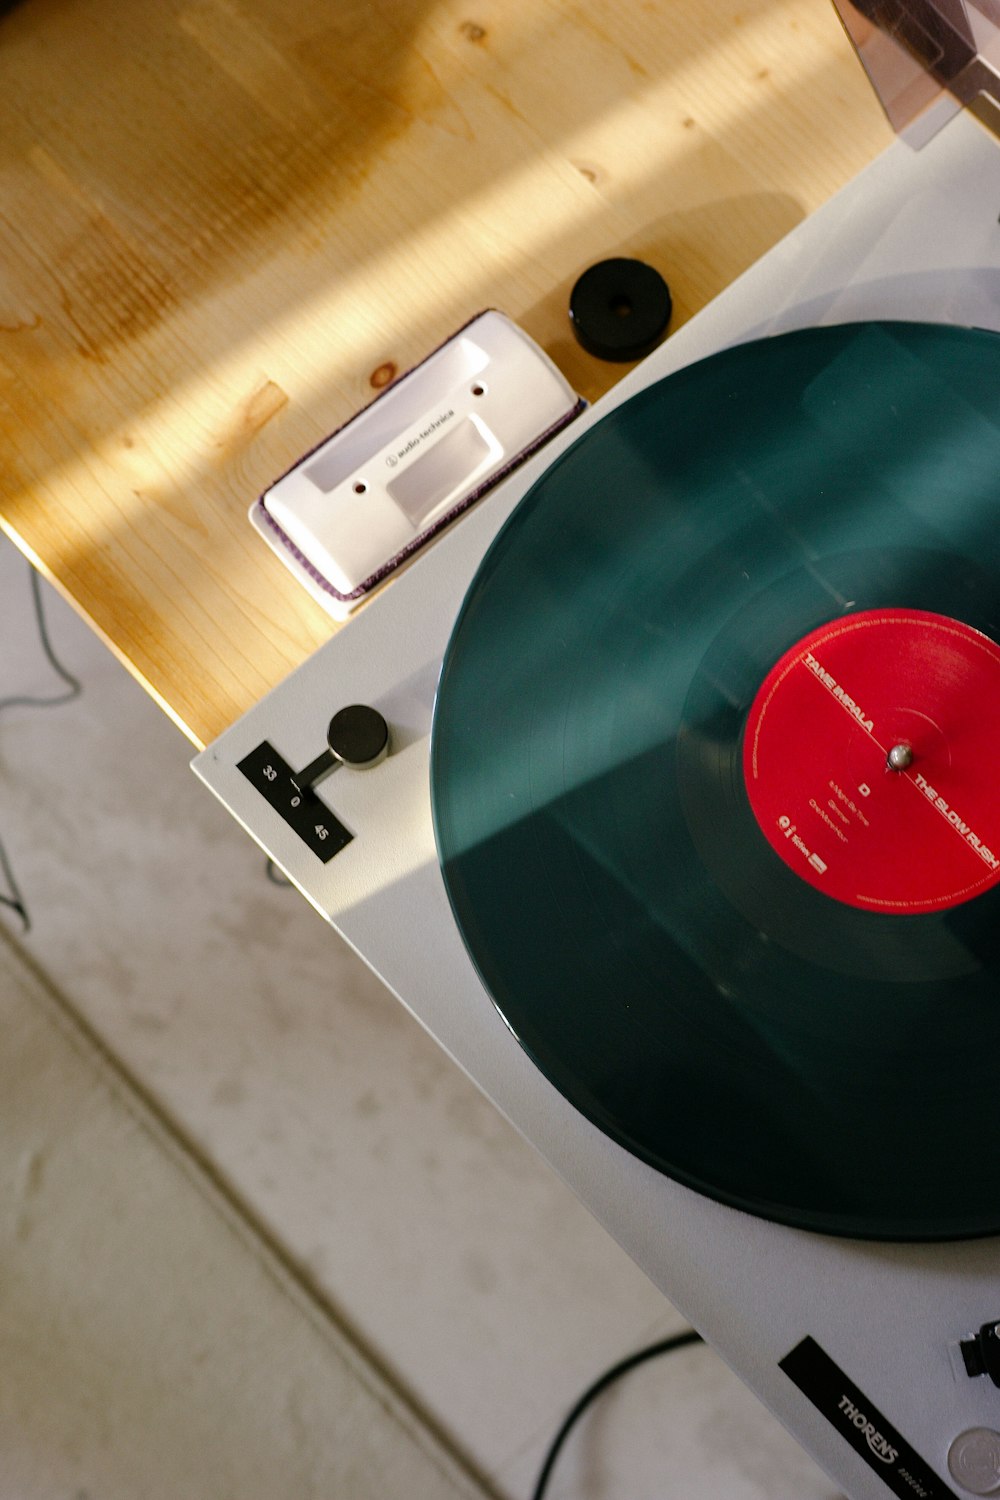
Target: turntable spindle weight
900	758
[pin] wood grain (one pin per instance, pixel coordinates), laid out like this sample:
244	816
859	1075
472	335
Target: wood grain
224	224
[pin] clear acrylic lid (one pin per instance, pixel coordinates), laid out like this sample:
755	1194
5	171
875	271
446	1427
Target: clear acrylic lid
927	59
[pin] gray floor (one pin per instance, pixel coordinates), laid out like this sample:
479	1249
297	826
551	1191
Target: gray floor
421	1222
150	1345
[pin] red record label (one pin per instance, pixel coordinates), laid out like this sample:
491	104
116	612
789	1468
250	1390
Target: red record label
869	761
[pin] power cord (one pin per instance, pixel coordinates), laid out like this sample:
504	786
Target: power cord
664	1346
74	686
14	898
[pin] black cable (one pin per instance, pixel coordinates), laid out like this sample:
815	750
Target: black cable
665	1346
275	876
15	900
73	684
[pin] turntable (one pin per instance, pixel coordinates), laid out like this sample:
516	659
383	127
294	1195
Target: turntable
660	788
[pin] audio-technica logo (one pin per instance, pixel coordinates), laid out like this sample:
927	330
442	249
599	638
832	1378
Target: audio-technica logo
879	1445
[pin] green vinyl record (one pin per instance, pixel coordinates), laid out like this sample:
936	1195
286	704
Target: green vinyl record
748	583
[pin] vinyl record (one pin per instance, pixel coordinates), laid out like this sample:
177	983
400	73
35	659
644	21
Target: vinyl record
734	933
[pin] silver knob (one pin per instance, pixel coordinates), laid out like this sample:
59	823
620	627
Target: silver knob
974	1460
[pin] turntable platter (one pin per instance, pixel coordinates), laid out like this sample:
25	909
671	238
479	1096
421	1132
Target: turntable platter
625	713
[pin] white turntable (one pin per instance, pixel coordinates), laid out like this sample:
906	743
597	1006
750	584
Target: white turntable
854	1344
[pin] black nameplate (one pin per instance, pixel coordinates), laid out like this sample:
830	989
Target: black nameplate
862	1425
311	819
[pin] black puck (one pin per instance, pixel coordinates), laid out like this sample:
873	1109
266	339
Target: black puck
620	309
358	736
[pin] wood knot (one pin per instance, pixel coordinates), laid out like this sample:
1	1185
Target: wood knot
383	376
472	31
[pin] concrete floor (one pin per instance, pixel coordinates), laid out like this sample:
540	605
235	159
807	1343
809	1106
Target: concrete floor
150	1345
410	1219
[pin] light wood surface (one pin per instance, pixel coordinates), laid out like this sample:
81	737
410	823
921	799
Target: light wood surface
224	224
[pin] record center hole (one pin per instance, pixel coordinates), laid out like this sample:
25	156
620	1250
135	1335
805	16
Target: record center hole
621	306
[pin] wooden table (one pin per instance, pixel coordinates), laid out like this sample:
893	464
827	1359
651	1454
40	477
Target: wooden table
225	224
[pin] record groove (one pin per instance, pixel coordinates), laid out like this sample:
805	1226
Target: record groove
783	1051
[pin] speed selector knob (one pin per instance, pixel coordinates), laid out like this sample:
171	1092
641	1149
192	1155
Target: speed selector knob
357	737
